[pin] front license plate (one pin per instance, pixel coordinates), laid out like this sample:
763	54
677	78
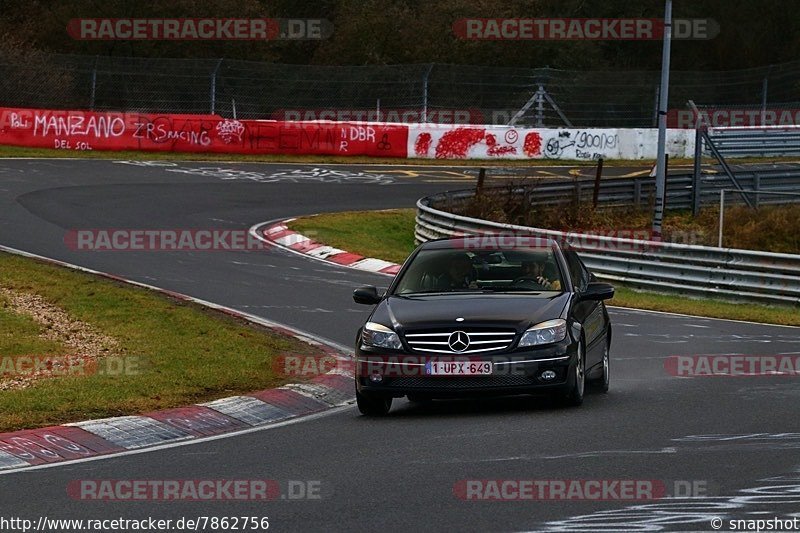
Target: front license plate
458	368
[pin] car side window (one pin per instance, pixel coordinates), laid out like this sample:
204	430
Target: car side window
577	272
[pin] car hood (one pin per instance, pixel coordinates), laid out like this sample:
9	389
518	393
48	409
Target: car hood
439	311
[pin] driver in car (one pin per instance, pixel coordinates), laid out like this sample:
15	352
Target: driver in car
536	270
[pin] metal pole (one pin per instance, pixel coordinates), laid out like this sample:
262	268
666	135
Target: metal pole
661	174
213	90
721	215
94	83
598	176
764	92
378	109
540	107
425	94
697	191
655	106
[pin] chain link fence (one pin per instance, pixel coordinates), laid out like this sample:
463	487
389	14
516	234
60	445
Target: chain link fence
405	93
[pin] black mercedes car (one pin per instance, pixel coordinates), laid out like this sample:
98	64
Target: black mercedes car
484	315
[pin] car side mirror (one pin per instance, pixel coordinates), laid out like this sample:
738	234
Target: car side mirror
598	292
366	295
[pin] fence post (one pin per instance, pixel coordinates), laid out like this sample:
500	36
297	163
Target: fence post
757	187
764	93
481	181
214	87
425	93
637	192
598	176
721	215
540	107
697	186
94	83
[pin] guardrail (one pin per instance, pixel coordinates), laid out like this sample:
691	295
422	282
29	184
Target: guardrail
699	270
756	142
680	188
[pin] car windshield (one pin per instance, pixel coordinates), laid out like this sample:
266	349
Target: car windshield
448	270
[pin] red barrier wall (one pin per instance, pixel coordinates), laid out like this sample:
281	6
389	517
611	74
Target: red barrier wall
83	130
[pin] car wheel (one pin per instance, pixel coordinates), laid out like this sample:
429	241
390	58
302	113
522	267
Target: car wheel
576	391
373	405
602	383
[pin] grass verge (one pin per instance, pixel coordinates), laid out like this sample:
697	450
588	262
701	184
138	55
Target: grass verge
371	234
387	235
183	352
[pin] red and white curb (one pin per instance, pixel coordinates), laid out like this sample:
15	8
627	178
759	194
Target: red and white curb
94	438
279	234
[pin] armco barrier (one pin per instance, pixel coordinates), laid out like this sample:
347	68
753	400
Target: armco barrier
84	130
704	271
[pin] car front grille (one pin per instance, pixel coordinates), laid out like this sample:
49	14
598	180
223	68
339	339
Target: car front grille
480	340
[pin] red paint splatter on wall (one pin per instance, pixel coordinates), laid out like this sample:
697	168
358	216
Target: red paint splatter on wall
533	144
422	144
456	143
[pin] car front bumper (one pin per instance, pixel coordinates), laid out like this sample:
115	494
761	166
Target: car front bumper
518	372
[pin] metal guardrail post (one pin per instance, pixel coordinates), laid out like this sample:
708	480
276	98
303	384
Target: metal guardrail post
726	168
721	216
598	176
757	187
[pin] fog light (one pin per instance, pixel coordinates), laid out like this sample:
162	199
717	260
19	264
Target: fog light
376	377
548	375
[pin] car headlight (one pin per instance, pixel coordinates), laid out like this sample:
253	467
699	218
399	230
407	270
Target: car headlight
380	336
548	332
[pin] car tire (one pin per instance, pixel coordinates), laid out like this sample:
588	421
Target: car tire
577	389
602	383
370	405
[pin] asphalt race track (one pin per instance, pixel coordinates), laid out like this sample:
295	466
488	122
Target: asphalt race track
733	436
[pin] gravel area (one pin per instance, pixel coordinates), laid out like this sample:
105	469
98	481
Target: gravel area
86	345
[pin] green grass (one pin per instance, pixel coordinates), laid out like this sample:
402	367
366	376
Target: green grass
387	235
355	231
20	335
627	297
184	353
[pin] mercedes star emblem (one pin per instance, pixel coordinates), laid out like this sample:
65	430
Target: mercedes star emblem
458	341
